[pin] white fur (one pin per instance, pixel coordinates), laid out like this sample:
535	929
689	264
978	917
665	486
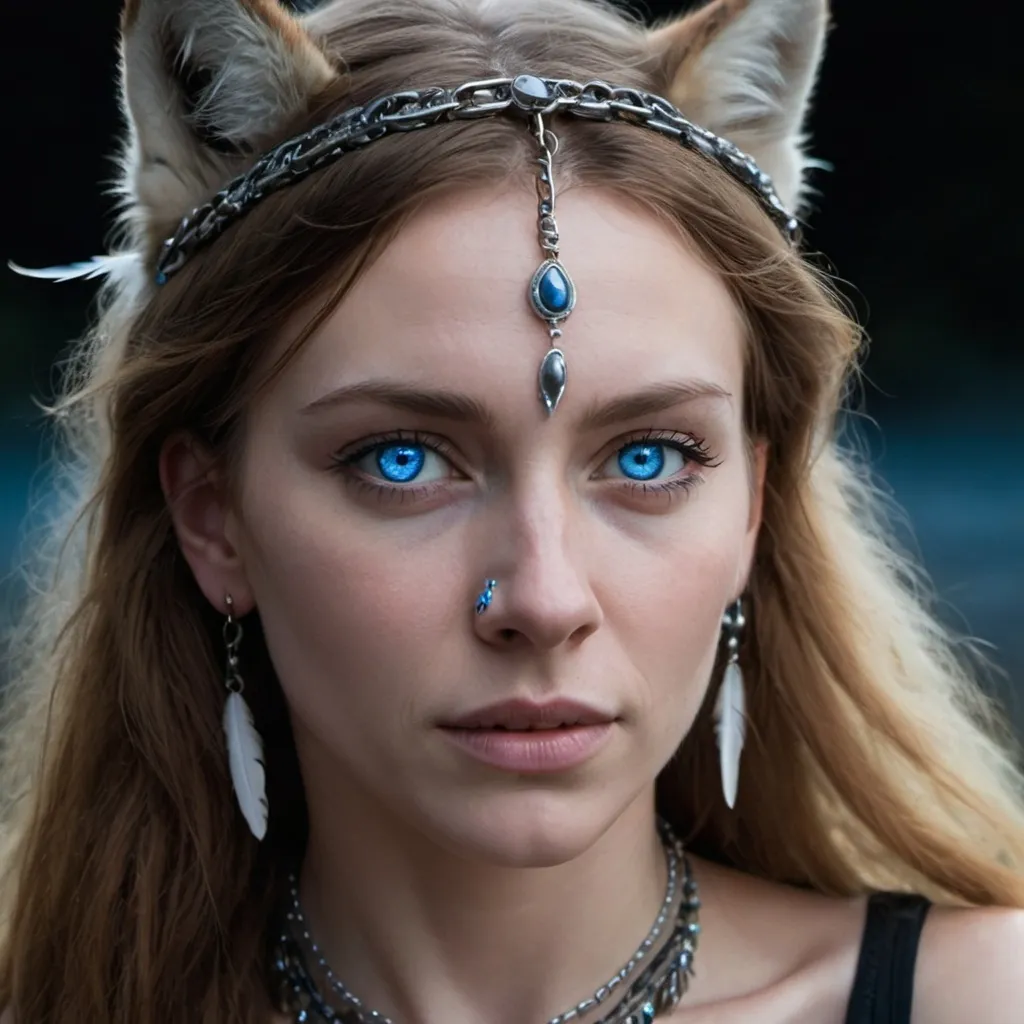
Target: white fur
259	81
752	83
260	78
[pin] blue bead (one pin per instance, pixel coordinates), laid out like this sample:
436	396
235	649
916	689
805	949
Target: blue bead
161	278
553	290
483	601
648	1011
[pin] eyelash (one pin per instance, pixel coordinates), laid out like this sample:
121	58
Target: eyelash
692	448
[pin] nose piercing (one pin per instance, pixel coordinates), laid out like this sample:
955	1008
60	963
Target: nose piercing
483	601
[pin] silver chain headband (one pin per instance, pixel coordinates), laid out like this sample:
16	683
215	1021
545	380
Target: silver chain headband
552	293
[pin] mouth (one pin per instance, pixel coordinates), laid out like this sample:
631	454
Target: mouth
528	738
528	716
521	727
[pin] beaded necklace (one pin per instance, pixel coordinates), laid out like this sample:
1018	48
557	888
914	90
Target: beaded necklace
654	991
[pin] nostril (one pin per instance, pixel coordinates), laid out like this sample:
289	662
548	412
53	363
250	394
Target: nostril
508	634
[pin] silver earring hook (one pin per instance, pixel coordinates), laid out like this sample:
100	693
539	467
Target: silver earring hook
733	621
232	633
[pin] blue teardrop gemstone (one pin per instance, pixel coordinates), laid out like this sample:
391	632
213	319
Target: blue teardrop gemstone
552	292
648	1011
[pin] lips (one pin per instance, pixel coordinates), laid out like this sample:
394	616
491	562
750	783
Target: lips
528	738
527	716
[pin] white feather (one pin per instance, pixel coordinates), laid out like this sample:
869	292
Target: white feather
245	755
86	270
731	729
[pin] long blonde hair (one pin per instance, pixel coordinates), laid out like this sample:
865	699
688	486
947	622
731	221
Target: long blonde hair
132	890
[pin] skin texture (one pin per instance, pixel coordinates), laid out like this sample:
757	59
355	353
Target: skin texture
441	889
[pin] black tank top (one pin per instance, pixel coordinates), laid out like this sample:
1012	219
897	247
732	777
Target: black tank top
883	989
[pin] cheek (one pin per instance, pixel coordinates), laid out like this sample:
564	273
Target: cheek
668	595
351	614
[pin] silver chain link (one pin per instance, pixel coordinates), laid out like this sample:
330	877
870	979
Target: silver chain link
547	143
412	110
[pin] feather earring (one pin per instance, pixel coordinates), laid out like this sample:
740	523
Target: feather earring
731	706
245	745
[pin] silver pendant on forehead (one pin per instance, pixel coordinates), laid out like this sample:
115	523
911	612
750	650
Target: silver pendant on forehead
552	293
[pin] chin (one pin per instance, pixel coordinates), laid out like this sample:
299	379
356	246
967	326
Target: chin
529	829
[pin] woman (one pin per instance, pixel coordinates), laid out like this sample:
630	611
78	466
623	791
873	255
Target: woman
461	570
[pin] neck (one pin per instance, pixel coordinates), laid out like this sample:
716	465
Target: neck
422	934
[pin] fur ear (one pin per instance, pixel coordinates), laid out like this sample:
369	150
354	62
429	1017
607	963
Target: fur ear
745	69
205	83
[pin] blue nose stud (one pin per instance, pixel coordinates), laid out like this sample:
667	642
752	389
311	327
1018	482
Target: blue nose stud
483	602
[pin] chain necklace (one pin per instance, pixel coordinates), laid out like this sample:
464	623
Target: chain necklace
656	990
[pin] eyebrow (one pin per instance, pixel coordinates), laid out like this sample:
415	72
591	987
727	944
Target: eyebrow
449	405
452	405
654	399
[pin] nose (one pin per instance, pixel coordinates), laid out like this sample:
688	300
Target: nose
535	551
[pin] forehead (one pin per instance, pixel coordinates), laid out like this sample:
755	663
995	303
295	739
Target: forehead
445	305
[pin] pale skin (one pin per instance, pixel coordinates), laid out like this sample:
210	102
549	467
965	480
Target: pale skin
441	889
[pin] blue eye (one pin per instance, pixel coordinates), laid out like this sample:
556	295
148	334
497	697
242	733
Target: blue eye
400	463
645	460
393	462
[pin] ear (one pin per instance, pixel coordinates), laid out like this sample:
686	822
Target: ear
204	523
205	84
757	468
745	69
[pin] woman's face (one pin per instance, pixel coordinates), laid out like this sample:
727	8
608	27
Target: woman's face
404	457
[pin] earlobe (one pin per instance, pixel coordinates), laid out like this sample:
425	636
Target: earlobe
204	522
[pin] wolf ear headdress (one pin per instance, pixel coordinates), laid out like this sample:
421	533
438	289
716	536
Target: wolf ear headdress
206	86
210	86
746	69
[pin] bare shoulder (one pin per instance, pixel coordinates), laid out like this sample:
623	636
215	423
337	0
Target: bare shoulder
970	967
800	950
771	952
